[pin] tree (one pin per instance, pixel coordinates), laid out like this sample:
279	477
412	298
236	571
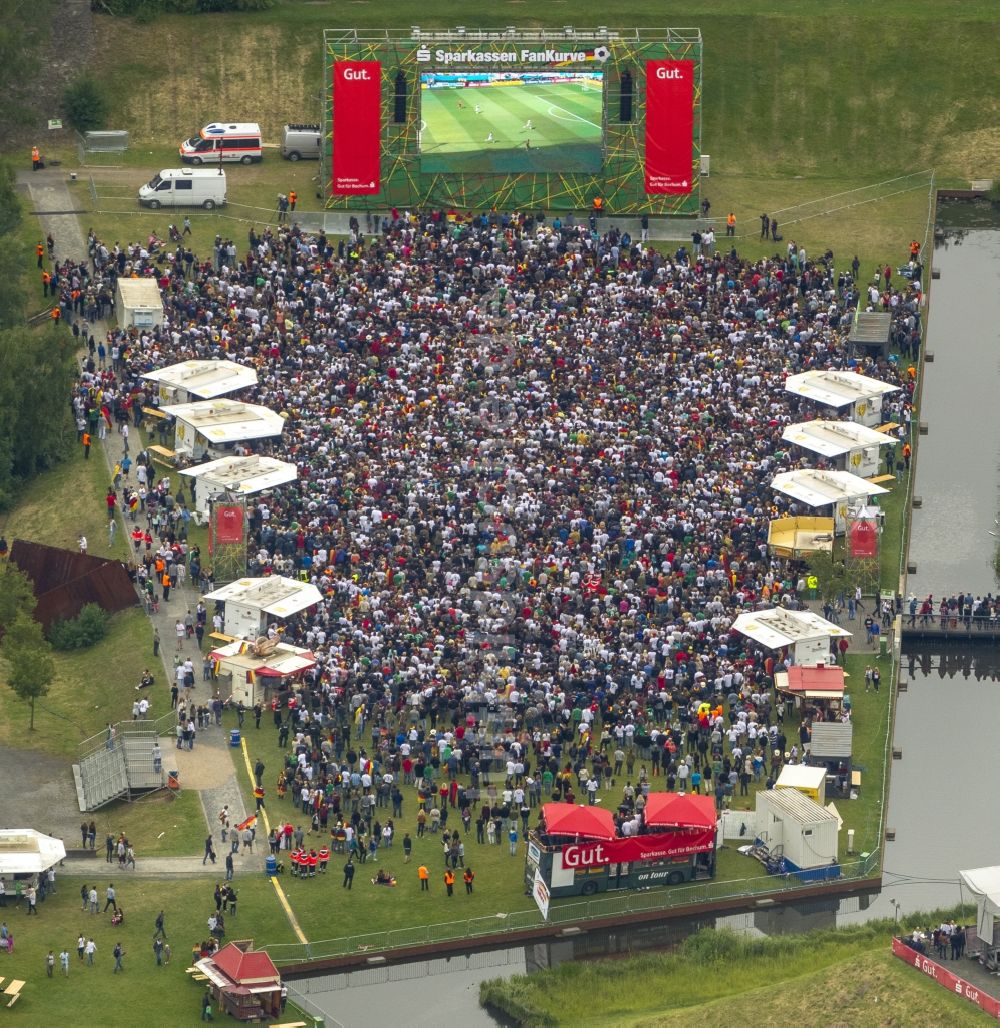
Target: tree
832	575
17	597
30	667
86	104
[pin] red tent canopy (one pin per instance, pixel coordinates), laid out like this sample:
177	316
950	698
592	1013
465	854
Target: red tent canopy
673	810
588	822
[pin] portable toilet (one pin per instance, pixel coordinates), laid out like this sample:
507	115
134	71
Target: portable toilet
801	831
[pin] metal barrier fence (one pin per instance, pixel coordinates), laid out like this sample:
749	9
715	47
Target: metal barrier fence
164	725
617	904
950	624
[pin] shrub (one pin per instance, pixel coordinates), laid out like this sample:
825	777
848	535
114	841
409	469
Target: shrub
86	104
88	627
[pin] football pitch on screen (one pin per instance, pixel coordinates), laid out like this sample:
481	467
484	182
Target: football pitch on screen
552	127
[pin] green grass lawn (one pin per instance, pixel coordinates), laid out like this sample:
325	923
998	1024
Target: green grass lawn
91	687
778	99
93	995
714	978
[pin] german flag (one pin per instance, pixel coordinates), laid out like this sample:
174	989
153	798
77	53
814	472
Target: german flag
248	823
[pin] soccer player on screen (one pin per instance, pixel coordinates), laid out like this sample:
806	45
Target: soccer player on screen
528	126
489	138
479	109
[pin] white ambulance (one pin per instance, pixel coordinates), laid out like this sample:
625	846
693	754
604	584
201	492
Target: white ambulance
233	141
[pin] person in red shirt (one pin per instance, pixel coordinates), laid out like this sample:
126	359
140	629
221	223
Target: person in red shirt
324	859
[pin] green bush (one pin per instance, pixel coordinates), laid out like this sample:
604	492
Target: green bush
86	104
88	627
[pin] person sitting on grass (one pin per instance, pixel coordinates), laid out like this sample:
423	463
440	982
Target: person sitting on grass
382	877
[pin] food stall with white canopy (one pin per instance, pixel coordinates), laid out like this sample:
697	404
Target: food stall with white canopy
849	446
245	476
838	389
805	634
837	491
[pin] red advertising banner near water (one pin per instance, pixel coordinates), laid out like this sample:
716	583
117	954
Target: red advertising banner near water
669	126
945	978
638	847
357	127
228	523
863	539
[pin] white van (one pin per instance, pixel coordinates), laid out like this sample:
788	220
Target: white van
300	142
236	141
185	187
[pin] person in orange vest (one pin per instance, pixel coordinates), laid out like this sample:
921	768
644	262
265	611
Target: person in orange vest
46	279
424	875
468	876
36	159
293	199
293	862
449	881
907	453
86	445
730	224
56	313
598	204
40	252
165	582
312	860
324	859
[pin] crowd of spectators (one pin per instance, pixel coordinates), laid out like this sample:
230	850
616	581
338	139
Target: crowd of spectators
534	472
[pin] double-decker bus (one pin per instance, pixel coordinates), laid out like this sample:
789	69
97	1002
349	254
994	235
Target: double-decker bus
578	851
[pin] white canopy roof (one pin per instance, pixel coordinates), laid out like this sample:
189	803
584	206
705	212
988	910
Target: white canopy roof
836	388
226	421
821	488
984	884
778	627
140	292
25	851
276	595
247	475
833	438
206	379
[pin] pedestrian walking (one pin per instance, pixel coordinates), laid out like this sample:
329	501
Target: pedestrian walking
468	876
424	875
119	955
348	874
64	962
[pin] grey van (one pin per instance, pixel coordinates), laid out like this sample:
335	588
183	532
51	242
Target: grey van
300	142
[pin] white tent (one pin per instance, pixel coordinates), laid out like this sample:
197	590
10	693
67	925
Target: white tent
245	475
200	380
835	489
843	389
854	447
984	884
26	851
209	426
252	603
807	634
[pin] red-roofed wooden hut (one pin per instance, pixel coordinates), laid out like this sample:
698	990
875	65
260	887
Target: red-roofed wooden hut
244	982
